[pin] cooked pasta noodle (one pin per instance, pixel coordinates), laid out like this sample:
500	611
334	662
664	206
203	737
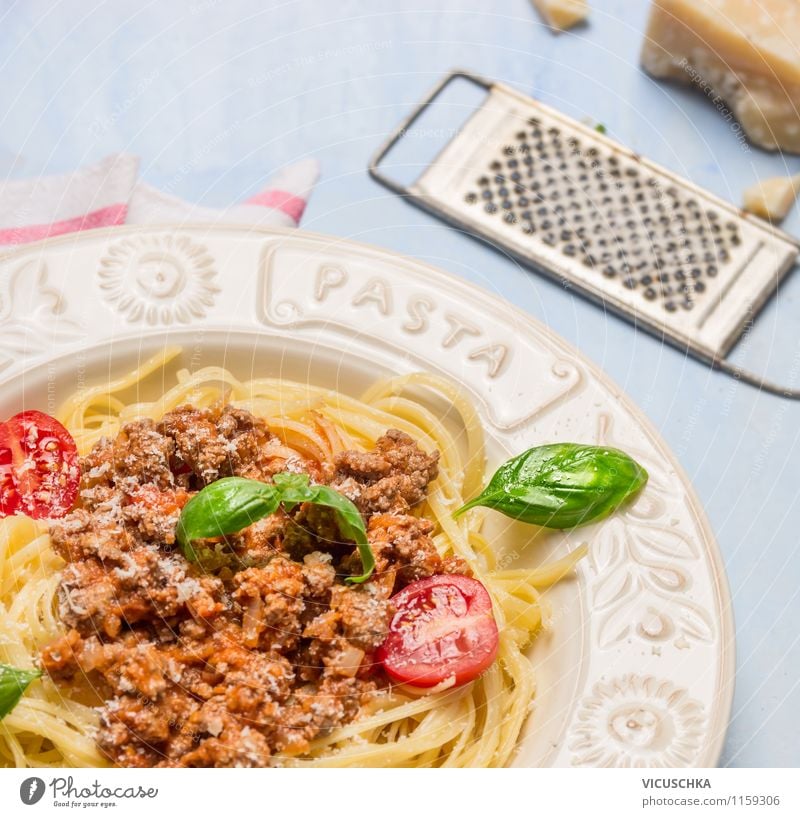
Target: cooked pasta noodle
478	724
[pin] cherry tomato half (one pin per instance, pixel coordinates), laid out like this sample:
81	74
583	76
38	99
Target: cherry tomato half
39	471
443	627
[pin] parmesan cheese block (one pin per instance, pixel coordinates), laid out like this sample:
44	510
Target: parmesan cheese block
562	14
772	198
743	54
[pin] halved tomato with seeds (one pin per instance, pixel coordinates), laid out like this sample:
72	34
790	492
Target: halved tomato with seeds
443	628
39	472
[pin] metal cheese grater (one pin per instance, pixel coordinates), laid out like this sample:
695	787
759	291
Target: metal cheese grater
559	196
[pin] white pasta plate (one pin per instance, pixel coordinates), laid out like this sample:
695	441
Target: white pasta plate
637	666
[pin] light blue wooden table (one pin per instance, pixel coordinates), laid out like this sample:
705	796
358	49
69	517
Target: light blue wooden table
214	93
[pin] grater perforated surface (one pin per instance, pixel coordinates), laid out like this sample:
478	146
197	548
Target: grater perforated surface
575	204
607	213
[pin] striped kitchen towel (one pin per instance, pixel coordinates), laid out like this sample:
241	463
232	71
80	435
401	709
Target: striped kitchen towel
110	193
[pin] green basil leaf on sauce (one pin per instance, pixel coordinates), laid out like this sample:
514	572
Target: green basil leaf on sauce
13	683
226	506
562	485
294	488
351	526
232	504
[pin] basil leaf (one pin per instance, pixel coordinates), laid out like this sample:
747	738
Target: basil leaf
13	682
562	485
294	489
351	526
234	503
226	506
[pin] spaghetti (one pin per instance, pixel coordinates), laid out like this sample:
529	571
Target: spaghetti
478	724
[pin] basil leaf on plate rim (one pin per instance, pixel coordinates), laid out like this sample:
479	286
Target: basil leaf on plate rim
232	504
13	683
562	485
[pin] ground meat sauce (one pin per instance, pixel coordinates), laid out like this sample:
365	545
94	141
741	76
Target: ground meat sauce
265	654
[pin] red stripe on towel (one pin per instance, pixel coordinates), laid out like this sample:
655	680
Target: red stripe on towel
287	203
104	217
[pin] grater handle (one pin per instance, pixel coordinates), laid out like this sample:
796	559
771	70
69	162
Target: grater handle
397	134
753	379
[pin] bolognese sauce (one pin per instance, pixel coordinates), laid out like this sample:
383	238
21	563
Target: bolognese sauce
270	649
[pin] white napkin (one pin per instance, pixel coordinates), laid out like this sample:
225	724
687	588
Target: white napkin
110	193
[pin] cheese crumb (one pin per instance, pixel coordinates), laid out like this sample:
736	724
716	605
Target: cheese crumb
562	14
772	198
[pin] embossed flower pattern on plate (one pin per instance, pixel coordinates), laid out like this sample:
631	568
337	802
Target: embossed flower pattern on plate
637	722
158	279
